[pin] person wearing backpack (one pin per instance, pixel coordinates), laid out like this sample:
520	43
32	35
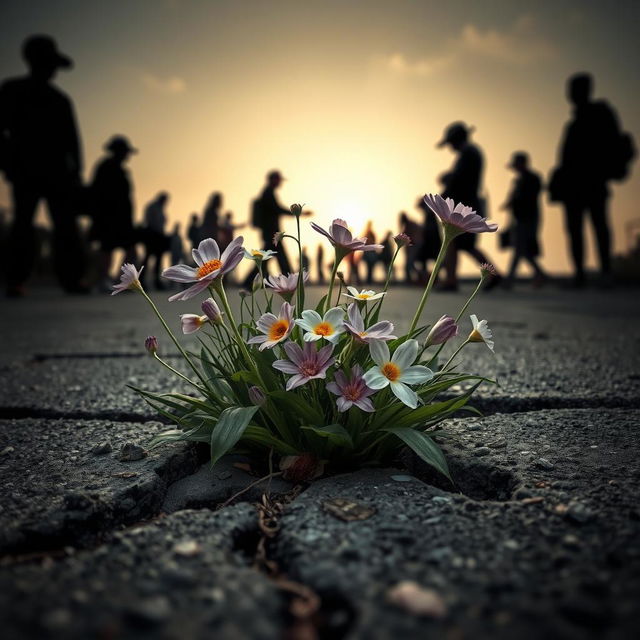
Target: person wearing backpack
593	152
265	216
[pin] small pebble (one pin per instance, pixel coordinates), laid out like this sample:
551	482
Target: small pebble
481	451
101	448
131	452
417	600
544	463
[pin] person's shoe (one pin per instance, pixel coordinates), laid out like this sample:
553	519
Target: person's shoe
16	291
493	282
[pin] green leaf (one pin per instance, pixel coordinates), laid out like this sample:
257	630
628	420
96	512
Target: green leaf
335	433
320	305
423	446
229	430
297	407
262	436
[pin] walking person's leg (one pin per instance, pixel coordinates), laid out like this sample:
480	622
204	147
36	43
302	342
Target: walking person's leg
598	212
21	247
573	221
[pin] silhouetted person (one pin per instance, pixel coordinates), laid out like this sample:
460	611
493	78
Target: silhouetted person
265	215
305	260
523	202
320	263
210	217
587	154
40	147
156	242
193	233
176	246
386	255
227	230
112	208
431	242
414	231
370	258
462	184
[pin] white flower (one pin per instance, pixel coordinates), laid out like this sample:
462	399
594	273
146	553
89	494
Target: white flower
328	327
397	371
364	295
192	322
259	255
481	332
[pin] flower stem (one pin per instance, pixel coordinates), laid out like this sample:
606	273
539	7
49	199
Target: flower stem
455	353
432	278
332	278
180	375
175	340
300	292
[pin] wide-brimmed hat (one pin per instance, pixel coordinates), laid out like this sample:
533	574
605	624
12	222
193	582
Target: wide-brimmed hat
455	131
119	143
41	48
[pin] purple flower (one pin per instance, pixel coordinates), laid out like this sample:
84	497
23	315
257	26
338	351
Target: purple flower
129	279
442	331
355	326
210	265
285	286
274	329
403	240
341	238
351	391
256	395
305	364
458	216
151	344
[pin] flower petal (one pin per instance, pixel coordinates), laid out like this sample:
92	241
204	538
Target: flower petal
194	290
208	250
374	379
379	352
405	354
404	394
416	374
180	273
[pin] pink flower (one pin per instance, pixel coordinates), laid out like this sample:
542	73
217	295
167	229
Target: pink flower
403	240
129	279
487	269
275	330
305	364
285	286
442	331
458	216
355	326
256	395
210	265
341	238
192	322
353	391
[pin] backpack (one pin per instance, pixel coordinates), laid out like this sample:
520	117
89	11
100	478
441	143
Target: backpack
257	216
623	153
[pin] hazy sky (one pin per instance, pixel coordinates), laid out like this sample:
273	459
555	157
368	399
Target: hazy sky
347	98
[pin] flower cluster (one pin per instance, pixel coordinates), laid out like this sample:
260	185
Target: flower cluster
331	382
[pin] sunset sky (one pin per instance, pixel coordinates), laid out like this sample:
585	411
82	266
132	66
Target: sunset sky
346	98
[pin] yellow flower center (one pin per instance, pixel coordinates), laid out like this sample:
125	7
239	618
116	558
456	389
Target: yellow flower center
323	329
208	267
476	336
278	329
364	296
256	254
391	371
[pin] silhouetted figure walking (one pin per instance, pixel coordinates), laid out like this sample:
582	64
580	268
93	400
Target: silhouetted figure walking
156	242
211	217
193	232
176	246
462	184
227	230
265	215
112	208
414	231
40	156
370	258
588	160
523	202
320	263
431	241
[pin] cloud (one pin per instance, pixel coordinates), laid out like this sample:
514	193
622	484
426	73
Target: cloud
520	45
171	85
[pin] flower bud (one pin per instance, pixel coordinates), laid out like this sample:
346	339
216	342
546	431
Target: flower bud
442	331
257	283
151	344
243	293
212	311
256	395
487	270
340	275
296	209
403	240
277	238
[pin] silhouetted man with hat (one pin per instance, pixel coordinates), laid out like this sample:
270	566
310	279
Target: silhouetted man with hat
42	161
265	215
587	155
112	206
462	184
